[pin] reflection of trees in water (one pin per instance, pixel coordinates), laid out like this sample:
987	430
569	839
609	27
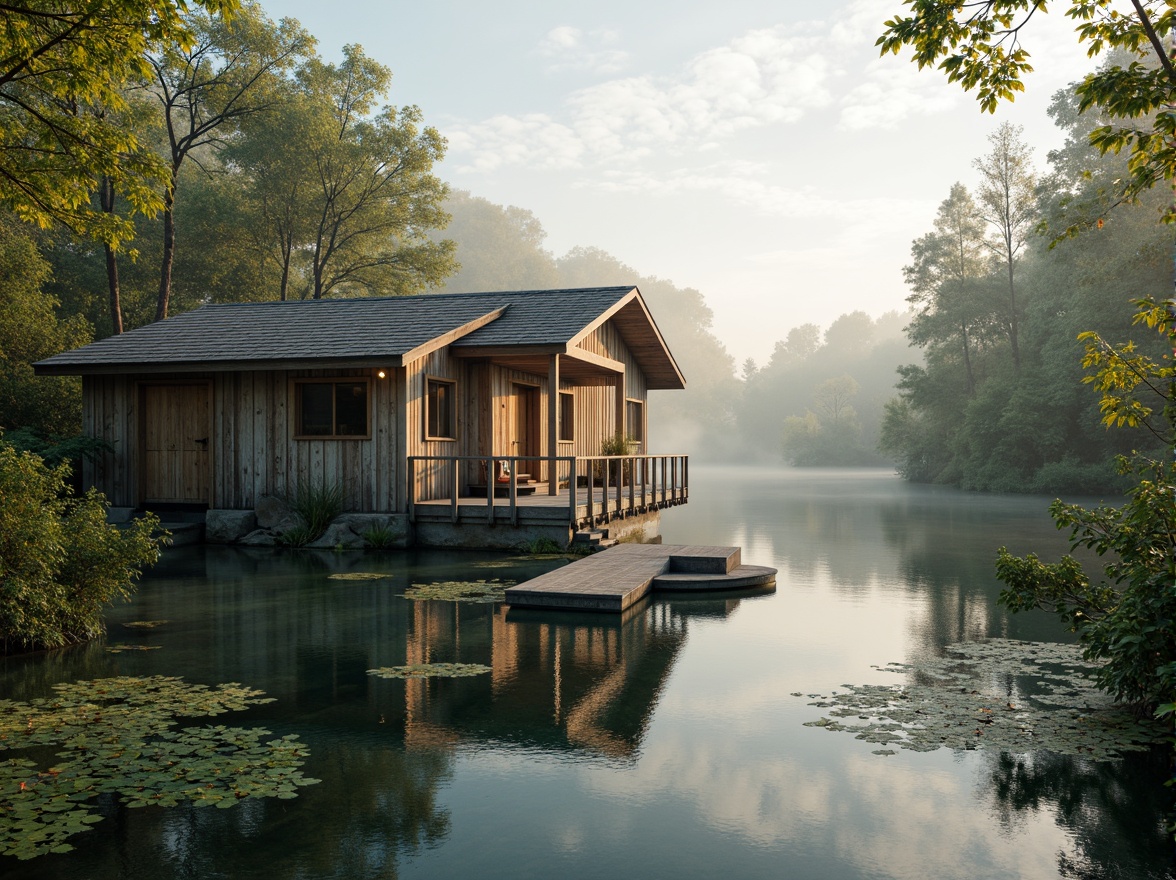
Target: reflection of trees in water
1110	808
585	685
374	806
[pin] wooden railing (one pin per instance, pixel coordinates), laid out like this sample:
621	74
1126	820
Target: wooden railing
609	486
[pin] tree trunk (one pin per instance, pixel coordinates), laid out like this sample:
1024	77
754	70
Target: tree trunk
968	361
1013	319
169	248
106	197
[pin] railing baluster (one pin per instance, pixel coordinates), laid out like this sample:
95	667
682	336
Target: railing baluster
514	487
632	483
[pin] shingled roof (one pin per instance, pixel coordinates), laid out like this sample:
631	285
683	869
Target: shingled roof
378	331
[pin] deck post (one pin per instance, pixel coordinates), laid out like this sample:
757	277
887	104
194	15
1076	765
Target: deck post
553	425
514	487
453	493
411	489
491	482
591	505
632	484
572	492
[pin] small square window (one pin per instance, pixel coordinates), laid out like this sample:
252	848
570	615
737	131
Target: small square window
440	409
331	409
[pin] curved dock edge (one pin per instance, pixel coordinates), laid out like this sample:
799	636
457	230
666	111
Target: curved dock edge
614	579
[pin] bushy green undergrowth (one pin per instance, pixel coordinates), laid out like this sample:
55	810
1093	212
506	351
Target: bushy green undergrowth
61	563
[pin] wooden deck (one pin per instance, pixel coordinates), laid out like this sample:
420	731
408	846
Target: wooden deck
590	508
615	579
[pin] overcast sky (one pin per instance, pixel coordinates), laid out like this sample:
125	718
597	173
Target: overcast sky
761	152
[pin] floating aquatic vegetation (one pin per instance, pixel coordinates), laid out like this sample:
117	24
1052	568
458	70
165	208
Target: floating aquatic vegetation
493	590
997	694
145	624
496	563
359	576
118	649
118	736
430	670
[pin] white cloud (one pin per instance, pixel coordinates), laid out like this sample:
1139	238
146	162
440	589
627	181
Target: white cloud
569	48
764	77
892	93
535	139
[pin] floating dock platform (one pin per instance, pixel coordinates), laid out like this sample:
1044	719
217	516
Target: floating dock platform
616	578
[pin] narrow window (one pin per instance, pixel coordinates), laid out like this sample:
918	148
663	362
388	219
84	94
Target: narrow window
567	416
331	409
440	409
635	420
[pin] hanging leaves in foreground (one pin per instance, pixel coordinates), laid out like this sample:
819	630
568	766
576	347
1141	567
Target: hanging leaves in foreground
118	736
964	701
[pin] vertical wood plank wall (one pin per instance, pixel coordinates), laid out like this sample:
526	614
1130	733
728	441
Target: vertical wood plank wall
595	405
253	449
254	452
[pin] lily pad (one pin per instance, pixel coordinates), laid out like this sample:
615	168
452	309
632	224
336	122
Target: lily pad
493	590
145	624
359	576
430	670
997	694
118	736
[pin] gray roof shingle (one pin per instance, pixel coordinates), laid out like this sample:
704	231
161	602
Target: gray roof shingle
337	330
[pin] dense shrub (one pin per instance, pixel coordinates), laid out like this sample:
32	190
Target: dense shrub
60	561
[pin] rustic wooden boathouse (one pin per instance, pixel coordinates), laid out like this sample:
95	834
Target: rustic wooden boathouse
473	419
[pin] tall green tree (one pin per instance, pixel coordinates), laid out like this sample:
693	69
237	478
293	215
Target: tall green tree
1007	204
228	71
345	187
59	61
946	276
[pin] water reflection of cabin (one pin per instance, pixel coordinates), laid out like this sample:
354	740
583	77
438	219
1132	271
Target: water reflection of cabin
480	418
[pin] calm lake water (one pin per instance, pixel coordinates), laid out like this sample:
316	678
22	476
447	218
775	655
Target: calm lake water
668	745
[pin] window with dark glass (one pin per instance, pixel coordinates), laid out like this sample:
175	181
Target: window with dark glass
635	420
567	416
440	409
332	409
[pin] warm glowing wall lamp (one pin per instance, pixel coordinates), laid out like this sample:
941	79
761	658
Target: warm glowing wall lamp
381	374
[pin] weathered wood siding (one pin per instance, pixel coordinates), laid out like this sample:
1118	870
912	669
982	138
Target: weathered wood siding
596	413
435	479
110	412
253	448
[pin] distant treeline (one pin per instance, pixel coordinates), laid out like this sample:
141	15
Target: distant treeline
1000	296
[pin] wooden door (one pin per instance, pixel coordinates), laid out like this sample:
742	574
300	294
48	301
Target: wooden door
176	440
525	426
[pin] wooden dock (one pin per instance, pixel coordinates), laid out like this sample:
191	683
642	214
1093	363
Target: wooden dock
615	579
